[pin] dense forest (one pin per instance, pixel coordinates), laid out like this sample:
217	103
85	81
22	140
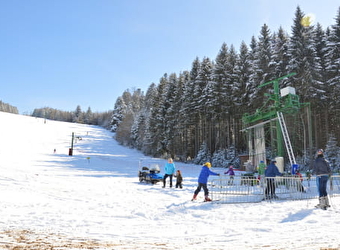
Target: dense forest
197	114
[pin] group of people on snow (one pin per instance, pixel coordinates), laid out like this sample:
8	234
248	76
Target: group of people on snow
320	168
170	171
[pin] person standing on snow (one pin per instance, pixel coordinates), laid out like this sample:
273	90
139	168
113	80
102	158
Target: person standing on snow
260	169
299	185
322	171
270	172
179	179
231	175
202	181
169	171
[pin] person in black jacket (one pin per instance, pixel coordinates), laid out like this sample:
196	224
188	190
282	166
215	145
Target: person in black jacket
179	179
322	171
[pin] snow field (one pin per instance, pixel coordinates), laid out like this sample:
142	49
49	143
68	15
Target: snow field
94	199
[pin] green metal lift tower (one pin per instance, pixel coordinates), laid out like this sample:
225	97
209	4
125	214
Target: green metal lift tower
280	102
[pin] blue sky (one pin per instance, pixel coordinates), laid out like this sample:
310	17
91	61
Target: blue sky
64	53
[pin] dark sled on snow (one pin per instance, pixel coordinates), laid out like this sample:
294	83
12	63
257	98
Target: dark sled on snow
151	175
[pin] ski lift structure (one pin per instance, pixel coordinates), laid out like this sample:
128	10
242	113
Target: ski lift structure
267	129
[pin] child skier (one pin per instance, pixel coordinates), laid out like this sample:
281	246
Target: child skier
179	179
202	181
231	175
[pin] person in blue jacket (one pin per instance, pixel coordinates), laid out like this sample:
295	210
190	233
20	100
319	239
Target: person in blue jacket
202	181
170	170
270	172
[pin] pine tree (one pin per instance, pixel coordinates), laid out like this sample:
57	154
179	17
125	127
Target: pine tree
280	53
217	89
157	119
203	155
171	113
200	83
189	119
263	65
88	119
179	142
242	85
333	75
117	114
302	54
332	152
253	81
151	99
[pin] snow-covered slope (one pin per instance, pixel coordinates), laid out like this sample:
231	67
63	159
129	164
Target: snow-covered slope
93	200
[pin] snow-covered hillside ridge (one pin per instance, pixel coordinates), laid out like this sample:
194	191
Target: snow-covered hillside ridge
94	200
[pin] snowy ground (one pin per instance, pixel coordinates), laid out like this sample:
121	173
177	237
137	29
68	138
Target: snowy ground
93	200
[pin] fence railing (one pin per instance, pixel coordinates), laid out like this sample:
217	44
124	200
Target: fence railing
250	189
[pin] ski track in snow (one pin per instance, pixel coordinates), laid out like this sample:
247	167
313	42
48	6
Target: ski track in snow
93	200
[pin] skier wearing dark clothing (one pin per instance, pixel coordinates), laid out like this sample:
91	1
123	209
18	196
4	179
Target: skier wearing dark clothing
202	181
270	172
179	179
322	171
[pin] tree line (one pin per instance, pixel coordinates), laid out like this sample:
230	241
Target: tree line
197	114
102	119
5	107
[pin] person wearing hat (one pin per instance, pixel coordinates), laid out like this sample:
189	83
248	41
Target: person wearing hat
202	181
322	171
270	172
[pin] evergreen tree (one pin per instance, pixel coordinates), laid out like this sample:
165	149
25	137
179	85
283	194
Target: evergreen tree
200	83
117	114
253	81
157	121
217	89
280	53
178	143
333	62
333	75
89	116
302	54
332	153
263	65
171	113
241	88
218	159
203	155
151	99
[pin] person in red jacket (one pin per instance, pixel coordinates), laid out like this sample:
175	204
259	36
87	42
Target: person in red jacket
299	183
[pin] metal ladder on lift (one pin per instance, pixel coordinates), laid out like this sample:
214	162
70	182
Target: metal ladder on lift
286	138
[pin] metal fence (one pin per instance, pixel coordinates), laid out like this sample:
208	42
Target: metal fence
250	189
